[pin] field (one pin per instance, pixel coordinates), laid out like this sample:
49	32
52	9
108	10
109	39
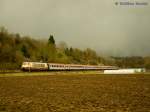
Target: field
74	92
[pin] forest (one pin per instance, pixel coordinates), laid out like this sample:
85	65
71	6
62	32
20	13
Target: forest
14	49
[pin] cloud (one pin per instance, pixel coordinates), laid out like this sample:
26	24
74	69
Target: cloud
98	24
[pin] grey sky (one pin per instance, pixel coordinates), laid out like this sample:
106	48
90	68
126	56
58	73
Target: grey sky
97	24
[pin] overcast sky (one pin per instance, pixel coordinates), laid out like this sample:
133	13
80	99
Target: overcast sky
98	24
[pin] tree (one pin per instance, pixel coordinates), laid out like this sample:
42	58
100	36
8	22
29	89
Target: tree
147	62
18	57
3	30
25	51
17	39
51	40
6	54
51	49
90	56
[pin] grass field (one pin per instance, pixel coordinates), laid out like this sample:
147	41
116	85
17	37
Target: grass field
74	92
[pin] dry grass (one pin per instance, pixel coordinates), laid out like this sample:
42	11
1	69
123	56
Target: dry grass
75	93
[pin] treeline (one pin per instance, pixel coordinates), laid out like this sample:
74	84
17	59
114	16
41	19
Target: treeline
14	49
132	62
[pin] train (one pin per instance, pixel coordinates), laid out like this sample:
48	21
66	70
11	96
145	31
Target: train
41	66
